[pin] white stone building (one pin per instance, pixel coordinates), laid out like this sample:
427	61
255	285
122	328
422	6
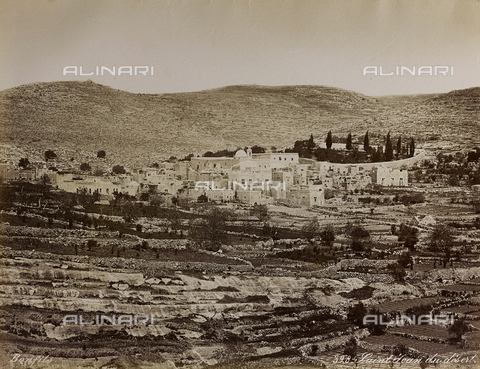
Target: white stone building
385	176
311	195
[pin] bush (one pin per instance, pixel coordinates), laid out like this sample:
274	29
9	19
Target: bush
49	154
91	244
458	328
328	236
85	167
311	229
261	212
118	169
408	235
329	194
356	313
418	310
441	238
23	163
397	271
359	232
405	260
377	329
357	245
400	350
409	199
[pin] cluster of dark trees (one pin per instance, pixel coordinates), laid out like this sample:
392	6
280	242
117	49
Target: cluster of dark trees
116	169
410	198
219	154
209	230
356	314
407	234
229	153
456	167
309	149
50	155
360	238
313	231
388	155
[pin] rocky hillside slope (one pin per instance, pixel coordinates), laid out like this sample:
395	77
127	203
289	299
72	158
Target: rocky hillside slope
88	116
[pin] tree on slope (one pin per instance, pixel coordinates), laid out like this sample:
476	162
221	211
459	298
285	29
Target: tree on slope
349	146
388	148
399	145
366	142
329	140
412	147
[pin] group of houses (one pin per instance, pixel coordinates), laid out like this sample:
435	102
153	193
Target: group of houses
246	177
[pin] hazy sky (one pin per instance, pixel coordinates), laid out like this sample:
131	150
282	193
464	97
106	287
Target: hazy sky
199	44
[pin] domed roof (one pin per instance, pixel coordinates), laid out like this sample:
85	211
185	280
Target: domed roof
240	154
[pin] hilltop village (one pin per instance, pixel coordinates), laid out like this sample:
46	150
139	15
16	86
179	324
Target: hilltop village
250	178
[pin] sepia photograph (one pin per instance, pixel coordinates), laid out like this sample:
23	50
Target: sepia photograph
240	184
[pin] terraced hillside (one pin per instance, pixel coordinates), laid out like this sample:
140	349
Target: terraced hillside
203	312
251	304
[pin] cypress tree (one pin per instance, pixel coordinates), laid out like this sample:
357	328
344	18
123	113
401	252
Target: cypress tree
366	143
399	145
388	148
310	145
329	140
349	142
412	147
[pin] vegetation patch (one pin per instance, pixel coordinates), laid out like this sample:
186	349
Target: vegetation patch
362	293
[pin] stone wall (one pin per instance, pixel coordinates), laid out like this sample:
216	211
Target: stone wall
327	343
420	155
460	274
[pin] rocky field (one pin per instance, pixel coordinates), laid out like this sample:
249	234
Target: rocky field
254	304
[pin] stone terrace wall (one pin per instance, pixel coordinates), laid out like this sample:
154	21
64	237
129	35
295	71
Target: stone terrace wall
333	343
352	263
460	274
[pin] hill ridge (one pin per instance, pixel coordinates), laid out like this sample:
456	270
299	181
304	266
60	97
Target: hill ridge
88	116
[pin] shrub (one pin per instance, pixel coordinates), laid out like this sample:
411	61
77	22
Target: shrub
118	169
91	244
356	313
49	154
24	163
458	328
85	167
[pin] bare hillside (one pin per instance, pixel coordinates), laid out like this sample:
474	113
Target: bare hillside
86	116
